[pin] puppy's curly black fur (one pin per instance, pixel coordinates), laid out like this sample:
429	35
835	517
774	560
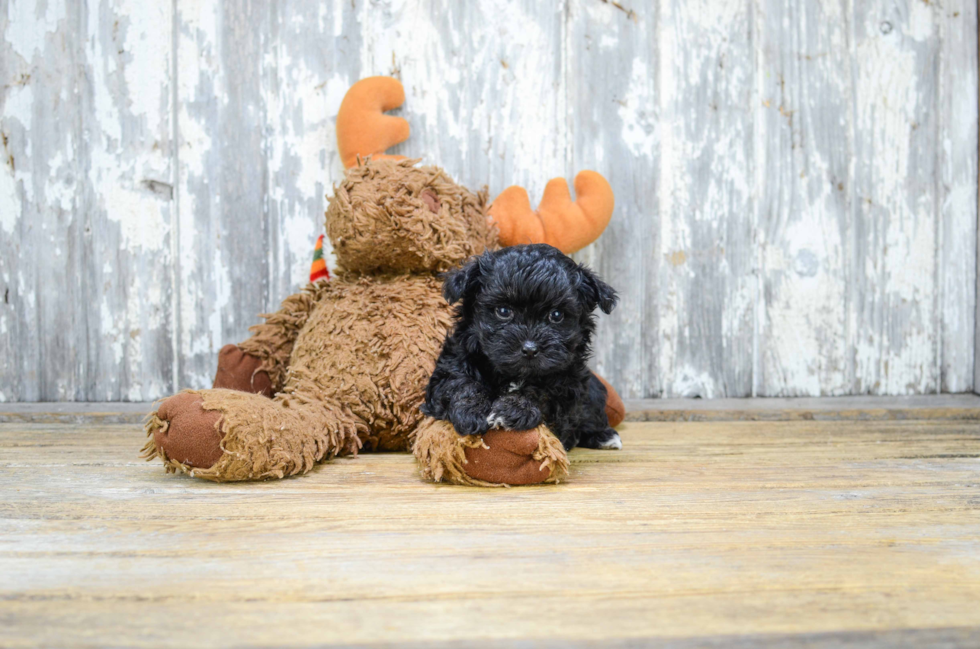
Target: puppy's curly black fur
518	351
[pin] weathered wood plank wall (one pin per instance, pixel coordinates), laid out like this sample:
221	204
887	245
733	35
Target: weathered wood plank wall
796	180
86	205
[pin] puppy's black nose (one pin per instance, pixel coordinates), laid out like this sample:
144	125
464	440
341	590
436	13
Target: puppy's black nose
530	350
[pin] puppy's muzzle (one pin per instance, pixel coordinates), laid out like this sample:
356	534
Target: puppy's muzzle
530	349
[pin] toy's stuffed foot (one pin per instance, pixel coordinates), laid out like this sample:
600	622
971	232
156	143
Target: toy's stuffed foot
507	457
182	431
499	458
240	371
228	435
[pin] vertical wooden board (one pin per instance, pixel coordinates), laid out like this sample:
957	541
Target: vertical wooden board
893	319
612	80
957	151
87	107
128	201
313	58
483	83
25	41
44	271
706	282
976	277
803	178
223	177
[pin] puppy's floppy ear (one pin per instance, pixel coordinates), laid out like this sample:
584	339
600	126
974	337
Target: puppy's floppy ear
595	292
465	280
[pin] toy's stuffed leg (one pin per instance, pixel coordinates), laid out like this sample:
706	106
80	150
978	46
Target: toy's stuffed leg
259	364
243	372
615	408
226	435
497	459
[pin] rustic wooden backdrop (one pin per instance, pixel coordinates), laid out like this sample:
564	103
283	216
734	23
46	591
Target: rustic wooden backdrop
796	180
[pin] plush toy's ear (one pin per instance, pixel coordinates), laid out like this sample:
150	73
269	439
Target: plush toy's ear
362	127
558	221
465	280
595	292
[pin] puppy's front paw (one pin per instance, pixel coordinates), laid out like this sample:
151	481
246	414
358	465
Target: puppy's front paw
612	443
514	412
470	423
607	439
495	421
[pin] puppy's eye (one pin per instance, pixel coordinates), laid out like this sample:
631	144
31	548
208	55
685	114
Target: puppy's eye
504	313
556	316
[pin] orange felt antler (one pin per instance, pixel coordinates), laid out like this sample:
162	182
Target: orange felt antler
566	225
362	127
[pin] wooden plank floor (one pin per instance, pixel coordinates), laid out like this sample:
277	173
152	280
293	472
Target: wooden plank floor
720	533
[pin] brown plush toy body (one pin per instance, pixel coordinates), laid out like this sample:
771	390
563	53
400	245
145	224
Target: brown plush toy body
343	364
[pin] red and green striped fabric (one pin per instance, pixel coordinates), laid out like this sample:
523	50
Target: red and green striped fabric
319	268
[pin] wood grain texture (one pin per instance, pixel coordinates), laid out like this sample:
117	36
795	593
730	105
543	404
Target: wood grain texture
804	153
706	163
484	86
710	533
85	201
894	255
959	120
223	245
796	180
625	102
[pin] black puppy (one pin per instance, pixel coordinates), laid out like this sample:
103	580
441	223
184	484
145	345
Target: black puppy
517	354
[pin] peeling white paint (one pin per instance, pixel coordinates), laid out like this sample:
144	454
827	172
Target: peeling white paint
10	205
636	112
688	382
803	308
23	13
137	94
777	193
301	152
897	354
922	20
16	187
18	107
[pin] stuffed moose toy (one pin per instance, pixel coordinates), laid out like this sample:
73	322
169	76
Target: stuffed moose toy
343	364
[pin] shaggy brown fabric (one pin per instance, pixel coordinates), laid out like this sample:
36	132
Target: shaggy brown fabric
262	438
371	345
380	219
240	371
272	341
498	459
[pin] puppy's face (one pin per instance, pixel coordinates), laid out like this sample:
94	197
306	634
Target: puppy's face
528	309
